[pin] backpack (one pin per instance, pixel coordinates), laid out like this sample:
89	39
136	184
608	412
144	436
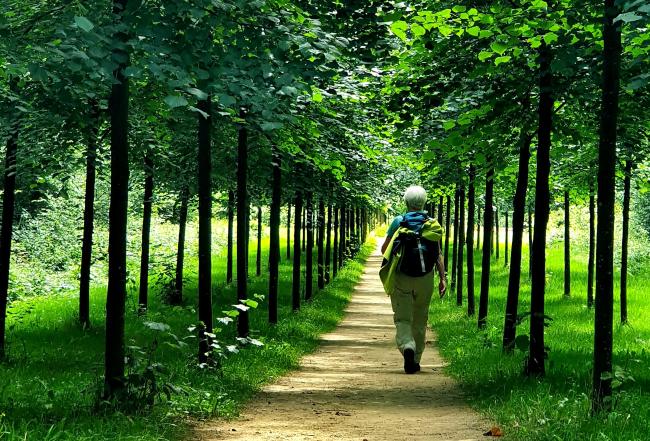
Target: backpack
419	255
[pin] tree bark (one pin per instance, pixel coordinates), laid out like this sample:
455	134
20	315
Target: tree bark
461	244
537	352
274	245
328	244
518	218
602	384
487	244
117	219
231	233
454	255
335	250
592	245
297	231
343	239
478	228
243	226
440	209
89	219
205	230
320	243
567	245
471	202
177	295
258	260
304	229
289	231
143	298
309	256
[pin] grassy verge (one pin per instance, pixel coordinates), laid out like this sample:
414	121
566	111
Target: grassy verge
48	388
556	407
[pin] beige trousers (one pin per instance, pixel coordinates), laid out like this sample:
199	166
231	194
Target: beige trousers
410	300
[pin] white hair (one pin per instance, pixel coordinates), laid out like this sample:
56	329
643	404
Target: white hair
415	197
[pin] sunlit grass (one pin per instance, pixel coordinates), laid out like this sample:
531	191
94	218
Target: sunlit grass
49	386
556	407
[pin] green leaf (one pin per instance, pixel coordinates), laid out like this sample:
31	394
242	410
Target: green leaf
550	38
399	28
502	60
628	17
174	101
198	93
418	30
227	100
84	23
484	55
499	47
270	126
448	125
474	31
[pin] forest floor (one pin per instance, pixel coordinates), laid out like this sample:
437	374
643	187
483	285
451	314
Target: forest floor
354	388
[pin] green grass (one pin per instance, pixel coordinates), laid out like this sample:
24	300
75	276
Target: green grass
49	386
557	406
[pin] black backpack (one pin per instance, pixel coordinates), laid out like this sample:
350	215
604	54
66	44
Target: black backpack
419	255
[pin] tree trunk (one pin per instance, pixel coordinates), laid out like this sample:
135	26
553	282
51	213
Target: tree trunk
440	209
507	251
8	204
89	218
537	352
461	244
143	297
205	230
342	244
304	229
243	226
592	245
497	242
117	219
487	244
518	217
335	250
309	256
447	226
328	244
320	243
478	228
567	246
297	231
626	235
530	242
274	246
454	255
177	295
289	231
258	261
471	202
602	384
231	233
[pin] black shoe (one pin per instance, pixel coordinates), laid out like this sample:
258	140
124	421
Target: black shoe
410	366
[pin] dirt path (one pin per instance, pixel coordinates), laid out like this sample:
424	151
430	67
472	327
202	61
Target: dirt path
354	388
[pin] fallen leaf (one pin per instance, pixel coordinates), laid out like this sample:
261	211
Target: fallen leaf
494	431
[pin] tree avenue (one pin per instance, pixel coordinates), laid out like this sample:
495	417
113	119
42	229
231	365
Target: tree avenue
189	186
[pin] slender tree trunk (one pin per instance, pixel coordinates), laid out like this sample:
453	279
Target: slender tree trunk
626	235
487	244
592	245
289	231
440	209
478	228
143	298
320	243
117	219
530	242
602	384
231	233
461	244
309	257
335	250
567	245
497	242
89	218
537	352
258	261
297	231
454	256
205	230
447	226
177	295
343	244
471	202
518	217
507	234
274	246
243	226
304	229
328	244
8	207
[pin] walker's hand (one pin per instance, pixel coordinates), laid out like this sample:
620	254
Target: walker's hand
442	287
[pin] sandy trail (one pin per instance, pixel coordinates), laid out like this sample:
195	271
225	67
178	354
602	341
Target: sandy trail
354	388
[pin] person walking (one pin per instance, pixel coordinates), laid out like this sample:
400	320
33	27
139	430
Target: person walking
411	252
